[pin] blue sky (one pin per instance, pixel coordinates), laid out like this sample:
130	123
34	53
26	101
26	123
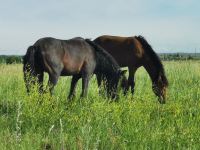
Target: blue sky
168	25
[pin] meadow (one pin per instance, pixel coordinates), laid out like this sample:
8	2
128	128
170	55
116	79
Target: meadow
134	122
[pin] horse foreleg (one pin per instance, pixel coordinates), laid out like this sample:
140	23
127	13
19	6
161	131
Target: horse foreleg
131	77
85	82
74	81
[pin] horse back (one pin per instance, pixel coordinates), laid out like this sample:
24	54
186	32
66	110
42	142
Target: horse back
126	50
65	56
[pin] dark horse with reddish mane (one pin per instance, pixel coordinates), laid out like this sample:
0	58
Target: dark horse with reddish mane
77	57
134	52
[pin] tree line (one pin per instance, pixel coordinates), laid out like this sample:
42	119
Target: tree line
11	59
17	59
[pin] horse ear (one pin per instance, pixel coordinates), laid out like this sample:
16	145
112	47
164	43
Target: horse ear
123	72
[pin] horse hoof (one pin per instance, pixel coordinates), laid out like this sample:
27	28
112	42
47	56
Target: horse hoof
161	100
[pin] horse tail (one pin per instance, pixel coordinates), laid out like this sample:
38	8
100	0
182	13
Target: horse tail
29	58
154	57
29	66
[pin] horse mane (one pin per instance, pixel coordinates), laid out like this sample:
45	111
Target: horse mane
155	58
106	56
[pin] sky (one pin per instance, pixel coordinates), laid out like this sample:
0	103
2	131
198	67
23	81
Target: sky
168	25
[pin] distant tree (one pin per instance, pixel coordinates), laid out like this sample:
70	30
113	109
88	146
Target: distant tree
10	59
189	57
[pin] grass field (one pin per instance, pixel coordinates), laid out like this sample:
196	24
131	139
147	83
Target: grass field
138	122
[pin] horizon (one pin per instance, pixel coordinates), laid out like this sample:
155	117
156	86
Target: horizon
169	26
159	53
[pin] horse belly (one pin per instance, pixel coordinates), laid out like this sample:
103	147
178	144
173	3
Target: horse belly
123	54
72	67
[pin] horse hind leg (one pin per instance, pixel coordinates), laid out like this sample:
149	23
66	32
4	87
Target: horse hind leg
36	79
53	79
40	82
54	73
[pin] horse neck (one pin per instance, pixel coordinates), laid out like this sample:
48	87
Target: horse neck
152	70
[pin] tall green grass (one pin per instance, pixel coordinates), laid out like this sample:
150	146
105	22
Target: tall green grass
134	122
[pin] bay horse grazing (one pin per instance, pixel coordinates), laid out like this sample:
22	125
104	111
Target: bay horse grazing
134	52
76	57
